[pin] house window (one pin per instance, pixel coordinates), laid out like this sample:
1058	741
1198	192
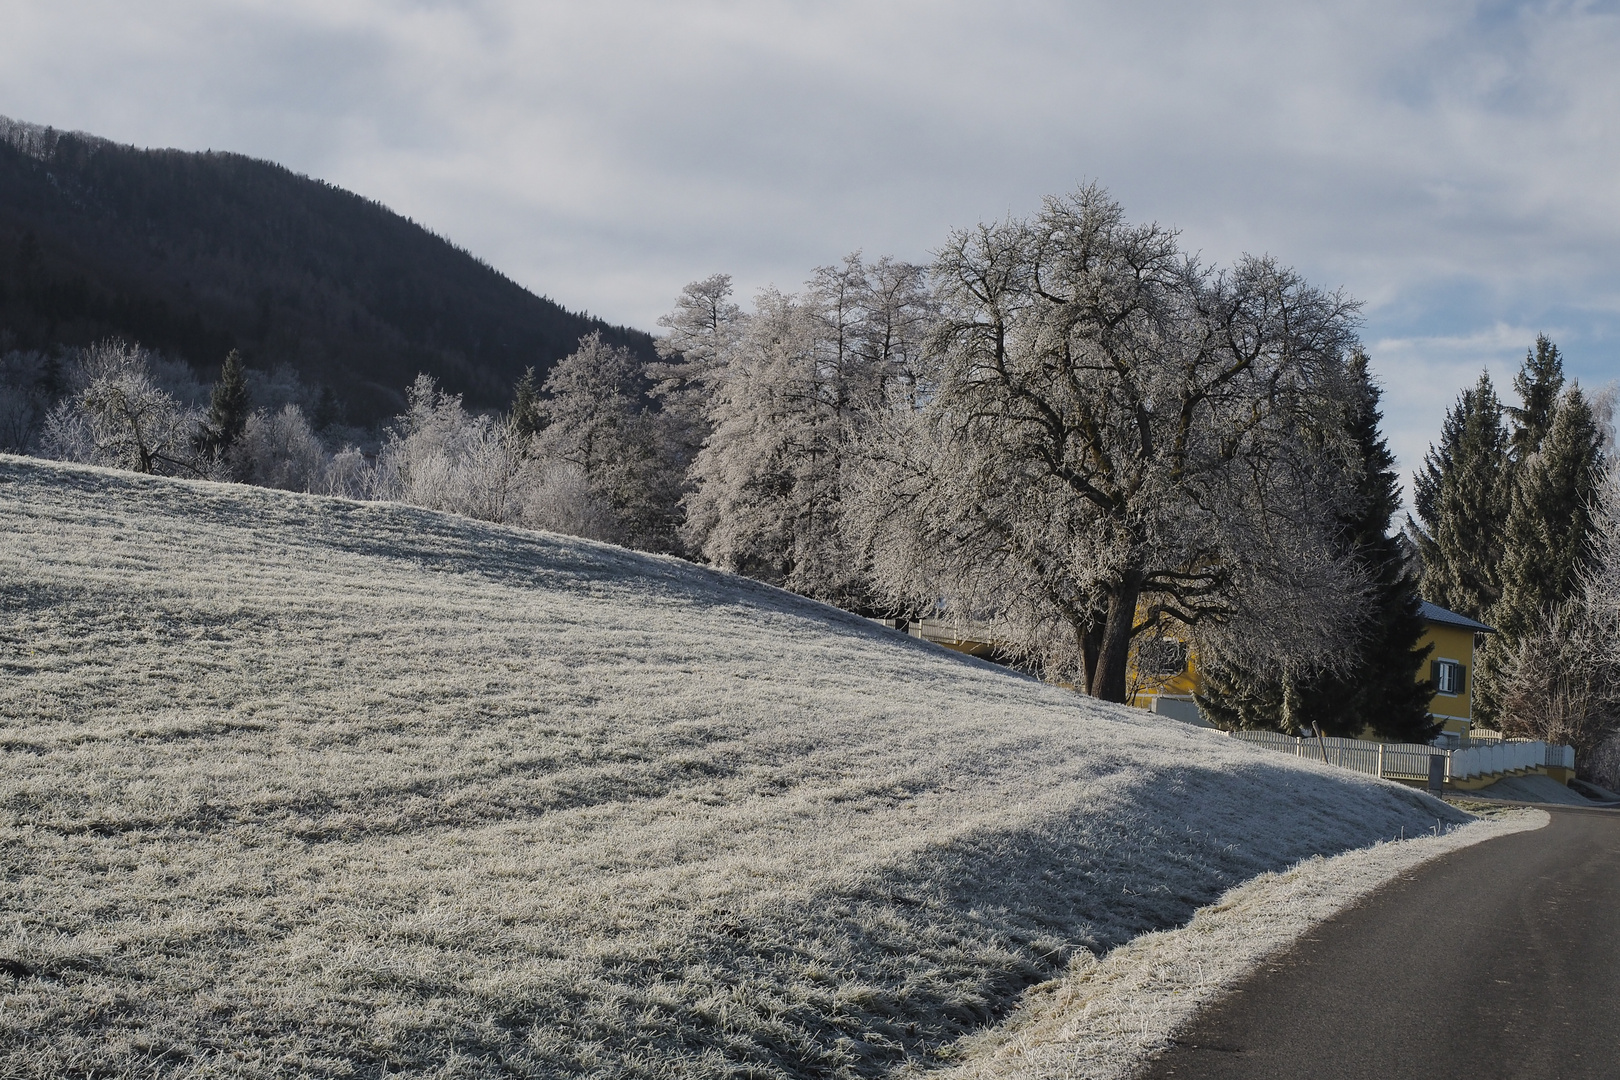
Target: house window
1448	676
1162	658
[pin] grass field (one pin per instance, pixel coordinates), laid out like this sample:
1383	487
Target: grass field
295	786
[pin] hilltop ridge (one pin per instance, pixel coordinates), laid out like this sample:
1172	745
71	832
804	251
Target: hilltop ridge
198	253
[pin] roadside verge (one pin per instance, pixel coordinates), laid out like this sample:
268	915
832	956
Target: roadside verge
1108	1015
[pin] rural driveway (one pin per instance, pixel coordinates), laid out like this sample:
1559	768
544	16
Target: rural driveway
1501	960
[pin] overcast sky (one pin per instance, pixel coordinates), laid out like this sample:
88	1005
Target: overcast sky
1456	166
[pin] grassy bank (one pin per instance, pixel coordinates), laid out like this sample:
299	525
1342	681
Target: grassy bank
293	785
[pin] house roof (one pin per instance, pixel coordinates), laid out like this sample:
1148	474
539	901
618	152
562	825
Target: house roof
1436	614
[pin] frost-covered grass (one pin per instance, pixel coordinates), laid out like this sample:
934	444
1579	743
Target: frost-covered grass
293	785
1106	1017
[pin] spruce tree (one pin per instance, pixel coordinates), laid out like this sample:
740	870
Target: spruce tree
527	418
1538	383
1462	496
1550	523
1236	698
1548	534
1380	688
227	409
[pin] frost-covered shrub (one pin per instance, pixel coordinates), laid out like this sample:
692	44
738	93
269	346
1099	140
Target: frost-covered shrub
117	415
559	497
281	450
444	458
350	475
441	457
25	393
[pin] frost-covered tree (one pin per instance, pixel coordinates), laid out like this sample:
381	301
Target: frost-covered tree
1381	687
764	495
1114	438
1601	581
795	397
1547	543
702	329
439	456
1462	496
1560	683
526	419
281	450
597	418
29	383
117	415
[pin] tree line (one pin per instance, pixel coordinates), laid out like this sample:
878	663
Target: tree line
1518	525
1065	433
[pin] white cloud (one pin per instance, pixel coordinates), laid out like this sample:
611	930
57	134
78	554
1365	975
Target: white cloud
1452	164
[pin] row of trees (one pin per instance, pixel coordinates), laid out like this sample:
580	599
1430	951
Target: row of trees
1073	436
1066	432
1516	519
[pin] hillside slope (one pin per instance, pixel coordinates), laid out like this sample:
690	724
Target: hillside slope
295	786
198	253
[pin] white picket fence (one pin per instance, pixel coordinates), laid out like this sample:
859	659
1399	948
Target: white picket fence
1410	761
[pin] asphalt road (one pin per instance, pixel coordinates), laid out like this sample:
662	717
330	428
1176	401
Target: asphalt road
1499	960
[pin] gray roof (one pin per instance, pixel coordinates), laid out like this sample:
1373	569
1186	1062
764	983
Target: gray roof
1436	614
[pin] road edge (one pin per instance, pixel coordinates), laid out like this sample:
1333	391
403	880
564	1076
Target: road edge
1106	1017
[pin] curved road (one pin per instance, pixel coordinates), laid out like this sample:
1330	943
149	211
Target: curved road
1501	960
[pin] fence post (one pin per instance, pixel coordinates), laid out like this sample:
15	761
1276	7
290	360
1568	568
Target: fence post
1437	774
1380	761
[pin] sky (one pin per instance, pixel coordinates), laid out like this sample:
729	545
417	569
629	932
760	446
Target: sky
1454	166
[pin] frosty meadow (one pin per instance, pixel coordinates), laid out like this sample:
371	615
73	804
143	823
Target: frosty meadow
297	785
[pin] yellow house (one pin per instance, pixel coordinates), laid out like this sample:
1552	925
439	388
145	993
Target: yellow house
1164	673
1451	666
1164	677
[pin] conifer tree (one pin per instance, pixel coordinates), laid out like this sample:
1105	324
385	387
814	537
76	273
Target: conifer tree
1382	689
227	410
1462	496
1547	534
527	418
596	418
1550	523
1538	384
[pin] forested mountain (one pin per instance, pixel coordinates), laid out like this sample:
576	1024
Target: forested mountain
199	253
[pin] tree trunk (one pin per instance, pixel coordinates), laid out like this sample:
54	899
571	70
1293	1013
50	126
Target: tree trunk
1090	637
1108	681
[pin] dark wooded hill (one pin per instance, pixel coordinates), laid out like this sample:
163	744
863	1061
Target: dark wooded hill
198	253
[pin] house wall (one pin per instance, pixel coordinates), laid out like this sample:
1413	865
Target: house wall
1451	643
1179	687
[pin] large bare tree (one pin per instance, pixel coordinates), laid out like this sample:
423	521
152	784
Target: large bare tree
1113	437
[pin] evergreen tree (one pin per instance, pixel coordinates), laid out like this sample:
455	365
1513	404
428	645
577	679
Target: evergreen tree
1550	523
1462	496
1381	689
227	410
595	417
527	418
1238	699
1548	532
1538	383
